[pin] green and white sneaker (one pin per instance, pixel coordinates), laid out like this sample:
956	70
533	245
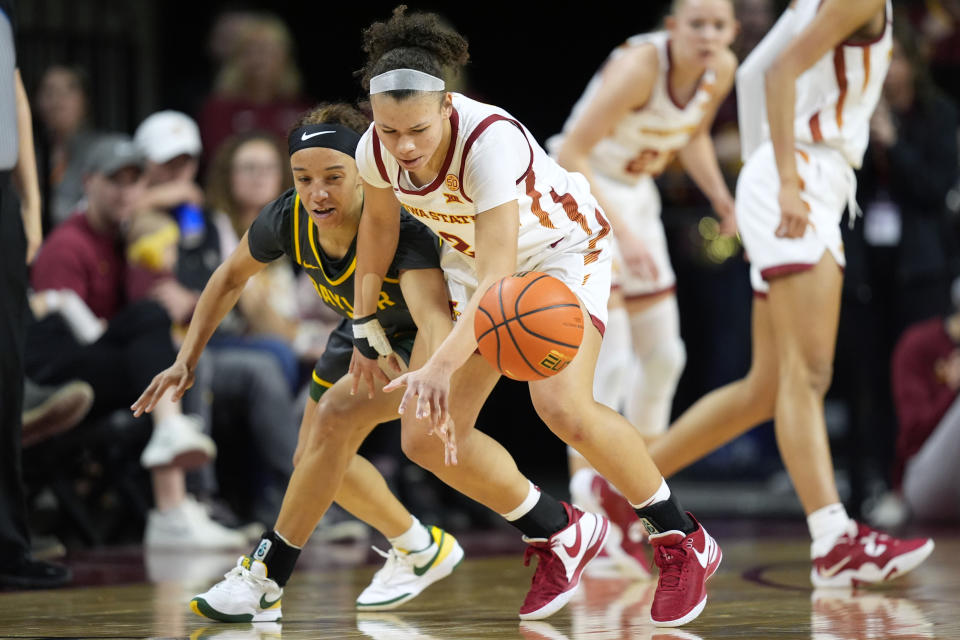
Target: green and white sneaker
245	594
405	575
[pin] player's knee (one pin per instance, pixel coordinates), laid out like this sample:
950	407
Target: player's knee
333	423
663	365
561	418
813	373
762	392
419	447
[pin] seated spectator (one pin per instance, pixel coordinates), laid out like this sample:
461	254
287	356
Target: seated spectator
48	411
86	330
65	139
236	369
926	381
258	87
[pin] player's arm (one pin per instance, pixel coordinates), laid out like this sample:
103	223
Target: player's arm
217	299
835	21
426	295
377	239
698	156
626	83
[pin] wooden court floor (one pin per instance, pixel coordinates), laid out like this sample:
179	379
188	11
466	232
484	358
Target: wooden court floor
760	592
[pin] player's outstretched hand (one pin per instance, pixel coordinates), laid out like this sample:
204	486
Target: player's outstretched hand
448	436
367	370
178	375
431	388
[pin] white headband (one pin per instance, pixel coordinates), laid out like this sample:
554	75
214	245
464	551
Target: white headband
405	80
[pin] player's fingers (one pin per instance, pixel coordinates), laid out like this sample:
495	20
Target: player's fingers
185	383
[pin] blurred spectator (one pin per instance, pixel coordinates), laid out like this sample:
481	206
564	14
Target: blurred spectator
48	411
20	235
938	22
259	86
248	172
86	330
926	381
65	139
250	379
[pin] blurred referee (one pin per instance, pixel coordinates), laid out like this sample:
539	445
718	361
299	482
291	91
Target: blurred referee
20	236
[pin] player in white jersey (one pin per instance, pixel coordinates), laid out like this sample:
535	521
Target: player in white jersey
478	178
820	71
654	98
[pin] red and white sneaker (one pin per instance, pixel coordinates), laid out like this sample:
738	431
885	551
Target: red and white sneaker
625	554
866	556
685	561
562	558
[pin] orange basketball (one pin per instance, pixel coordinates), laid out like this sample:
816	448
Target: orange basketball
529	325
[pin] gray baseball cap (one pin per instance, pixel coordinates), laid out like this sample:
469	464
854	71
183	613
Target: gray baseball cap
113	152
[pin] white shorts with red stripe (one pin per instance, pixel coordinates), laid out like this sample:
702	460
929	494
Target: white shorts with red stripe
586	273
827	184
639	207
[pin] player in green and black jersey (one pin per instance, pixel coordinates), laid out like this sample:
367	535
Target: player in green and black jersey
316	225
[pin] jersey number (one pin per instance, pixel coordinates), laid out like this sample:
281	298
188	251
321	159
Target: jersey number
457	243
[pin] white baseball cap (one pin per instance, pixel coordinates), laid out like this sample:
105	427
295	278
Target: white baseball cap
167	134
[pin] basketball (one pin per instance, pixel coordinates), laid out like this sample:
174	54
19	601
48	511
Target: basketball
528	326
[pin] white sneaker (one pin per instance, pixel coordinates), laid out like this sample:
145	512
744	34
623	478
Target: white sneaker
405	575
188	525
178	441
245	594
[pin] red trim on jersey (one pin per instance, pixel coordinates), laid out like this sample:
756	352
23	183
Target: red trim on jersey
599	325
840	69
786	269
378	157
571	208
535	196
650	294
604	228
486	122
866	68
673	99
815	127
442	174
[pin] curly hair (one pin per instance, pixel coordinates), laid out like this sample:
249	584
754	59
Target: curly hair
421	41
340	113
219	190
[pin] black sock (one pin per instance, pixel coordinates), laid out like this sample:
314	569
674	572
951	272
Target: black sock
666	516
279	557
546	518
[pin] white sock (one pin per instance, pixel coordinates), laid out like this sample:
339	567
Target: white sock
533	496
662	494
580	483
414	539
826	525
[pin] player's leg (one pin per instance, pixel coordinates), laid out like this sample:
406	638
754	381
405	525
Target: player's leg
617	450
661	356
724	413
805	310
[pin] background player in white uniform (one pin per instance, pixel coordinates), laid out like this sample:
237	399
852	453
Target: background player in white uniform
655	97
476	177
821	70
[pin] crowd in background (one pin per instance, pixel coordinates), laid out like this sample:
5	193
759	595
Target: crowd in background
136	222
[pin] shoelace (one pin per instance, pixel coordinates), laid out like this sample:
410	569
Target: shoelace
245	575
671	563
544	575
395	561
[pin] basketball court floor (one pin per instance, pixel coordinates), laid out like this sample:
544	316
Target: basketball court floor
760	592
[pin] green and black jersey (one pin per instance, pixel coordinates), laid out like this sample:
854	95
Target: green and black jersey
284	227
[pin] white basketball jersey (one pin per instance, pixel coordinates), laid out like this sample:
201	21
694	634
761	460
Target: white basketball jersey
644	142
837	95
557	211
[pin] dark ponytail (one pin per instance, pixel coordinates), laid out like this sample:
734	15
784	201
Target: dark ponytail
420	41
